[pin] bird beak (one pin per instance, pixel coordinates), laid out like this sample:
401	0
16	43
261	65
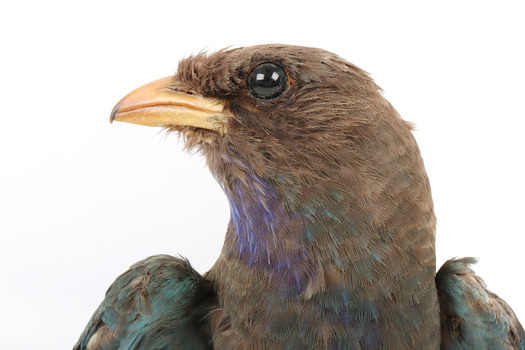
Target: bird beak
158	104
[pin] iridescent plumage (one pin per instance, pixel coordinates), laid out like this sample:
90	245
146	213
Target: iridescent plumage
331	239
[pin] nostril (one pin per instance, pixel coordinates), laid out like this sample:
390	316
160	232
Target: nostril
182	90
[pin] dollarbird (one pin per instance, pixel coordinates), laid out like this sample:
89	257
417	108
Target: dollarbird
330	243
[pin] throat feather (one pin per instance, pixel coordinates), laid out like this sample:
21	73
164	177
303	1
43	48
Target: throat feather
264	234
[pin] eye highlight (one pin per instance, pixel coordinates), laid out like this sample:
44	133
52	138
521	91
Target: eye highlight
267	81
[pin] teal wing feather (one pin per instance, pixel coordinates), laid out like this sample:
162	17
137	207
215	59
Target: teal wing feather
159	303
472	317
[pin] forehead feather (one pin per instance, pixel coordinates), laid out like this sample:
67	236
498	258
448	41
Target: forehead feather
225	72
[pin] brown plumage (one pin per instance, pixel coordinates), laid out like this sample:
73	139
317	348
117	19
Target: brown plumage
338	153
331	238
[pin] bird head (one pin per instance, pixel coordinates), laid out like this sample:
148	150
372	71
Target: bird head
300	127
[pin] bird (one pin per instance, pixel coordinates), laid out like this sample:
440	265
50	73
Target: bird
331	238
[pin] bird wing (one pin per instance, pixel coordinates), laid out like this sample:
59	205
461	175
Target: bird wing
159	303
472	317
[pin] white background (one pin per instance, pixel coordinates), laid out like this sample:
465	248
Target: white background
81	200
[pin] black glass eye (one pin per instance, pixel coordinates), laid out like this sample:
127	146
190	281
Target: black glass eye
267	81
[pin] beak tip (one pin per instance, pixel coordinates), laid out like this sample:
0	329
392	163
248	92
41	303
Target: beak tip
114	113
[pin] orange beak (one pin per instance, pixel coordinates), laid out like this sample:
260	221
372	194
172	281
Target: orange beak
157	104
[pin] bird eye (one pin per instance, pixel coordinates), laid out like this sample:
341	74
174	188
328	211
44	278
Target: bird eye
267	81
